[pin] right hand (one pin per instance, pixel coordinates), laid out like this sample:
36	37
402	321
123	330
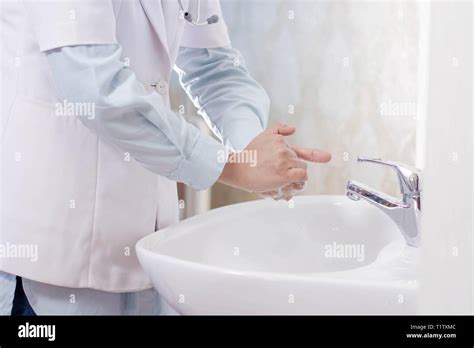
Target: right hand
276	164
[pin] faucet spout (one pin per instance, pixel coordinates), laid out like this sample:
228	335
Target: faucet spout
406	213
357	190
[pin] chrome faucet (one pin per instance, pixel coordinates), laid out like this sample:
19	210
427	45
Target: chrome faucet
406	213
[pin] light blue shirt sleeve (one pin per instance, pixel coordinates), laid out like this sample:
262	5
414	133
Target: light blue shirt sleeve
231	102
137	121
132	118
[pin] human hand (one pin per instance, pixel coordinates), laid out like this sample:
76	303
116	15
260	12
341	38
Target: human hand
287	192
277	164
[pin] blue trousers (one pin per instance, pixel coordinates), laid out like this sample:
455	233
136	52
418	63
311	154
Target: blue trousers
21	306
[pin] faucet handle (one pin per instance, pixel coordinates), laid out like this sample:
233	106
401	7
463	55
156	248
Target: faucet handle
408	177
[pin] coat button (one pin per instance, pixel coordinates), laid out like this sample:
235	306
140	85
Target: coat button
161	87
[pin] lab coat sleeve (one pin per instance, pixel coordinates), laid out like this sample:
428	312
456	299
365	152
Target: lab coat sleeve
205	36
61	23
233	104
132	119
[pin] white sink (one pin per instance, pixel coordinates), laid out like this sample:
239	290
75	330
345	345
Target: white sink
267	257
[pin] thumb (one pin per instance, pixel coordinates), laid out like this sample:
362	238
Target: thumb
281	129
312	155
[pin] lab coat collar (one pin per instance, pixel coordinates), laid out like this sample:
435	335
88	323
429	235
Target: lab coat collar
155	14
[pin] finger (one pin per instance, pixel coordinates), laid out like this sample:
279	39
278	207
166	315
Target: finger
313	155
275	195
294	188
267	195
281	129
286	189
297	174
285	193
298	186
292	153
297	163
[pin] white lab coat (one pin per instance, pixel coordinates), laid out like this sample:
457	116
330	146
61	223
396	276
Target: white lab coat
83	203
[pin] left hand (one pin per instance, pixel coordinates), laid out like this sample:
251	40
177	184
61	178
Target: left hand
287	192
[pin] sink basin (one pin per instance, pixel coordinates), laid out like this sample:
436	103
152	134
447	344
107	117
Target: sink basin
315	255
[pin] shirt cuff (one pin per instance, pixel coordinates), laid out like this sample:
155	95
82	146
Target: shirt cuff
239	132
204	165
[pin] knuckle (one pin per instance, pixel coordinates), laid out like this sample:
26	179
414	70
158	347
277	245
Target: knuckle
301	175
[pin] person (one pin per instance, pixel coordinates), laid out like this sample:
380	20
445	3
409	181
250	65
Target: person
92	151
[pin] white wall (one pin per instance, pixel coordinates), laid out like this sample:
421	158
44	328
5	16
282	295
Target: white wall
446	267
351	71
